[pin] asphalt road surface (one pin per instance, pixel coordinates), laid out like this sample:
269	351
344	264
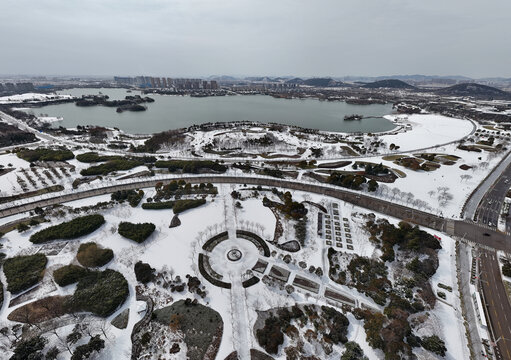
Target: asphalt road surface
489	208
497	304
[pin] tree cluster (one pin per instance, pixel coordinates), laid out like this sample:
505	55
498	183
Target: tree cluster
349	181
144	272
84	351
289	208
406	236
181	187
132	196
156	141
370	277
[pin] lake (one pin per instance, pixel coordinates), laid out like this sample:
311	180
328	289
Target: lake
171	112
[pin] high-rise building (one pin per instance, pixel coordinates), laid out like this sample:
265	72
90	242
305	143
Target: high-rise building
153	84
214	84
158	82
164	82
123	80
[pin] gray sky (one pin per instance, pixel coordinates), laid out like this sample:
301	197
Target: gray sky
258	37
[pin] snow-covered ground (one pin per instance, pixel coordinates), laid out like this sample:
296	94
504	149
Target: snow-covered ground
31	97
176	249
427	130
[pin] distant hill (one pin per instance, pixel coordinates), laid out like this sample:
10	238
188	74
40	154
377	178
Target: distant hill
317	82
295	81
474	90
406	78
320	82
222	78
389	83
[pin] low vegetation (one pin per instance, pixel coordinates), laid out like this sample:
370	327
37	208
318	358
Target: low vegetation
183	205
100	293
201	326
45	154
69	274
73	229
91	255
136	232
158	205
111	166
91	157
23	272
191	166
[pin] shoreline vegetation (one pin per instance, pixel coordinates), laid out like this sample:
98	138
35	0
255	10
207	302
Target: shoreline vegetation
130	103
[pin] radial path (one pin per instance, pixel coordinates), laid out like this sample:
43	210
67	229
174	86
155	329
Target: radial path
241	328
230	216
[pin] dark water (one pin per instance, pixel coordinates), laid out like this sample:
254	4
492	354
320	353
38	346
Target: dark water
170	112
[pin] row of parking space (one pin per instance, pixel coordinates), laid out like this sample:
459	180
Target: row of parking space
334	229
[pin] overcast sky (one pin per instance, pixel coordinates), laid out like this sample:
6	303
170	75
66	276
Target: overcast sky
258	37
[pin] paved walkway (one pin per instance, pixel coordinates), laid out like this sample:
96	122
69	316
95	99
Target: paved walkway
241	324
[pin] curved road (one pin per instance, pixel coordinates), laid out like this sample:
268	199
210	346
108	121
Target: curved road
469	231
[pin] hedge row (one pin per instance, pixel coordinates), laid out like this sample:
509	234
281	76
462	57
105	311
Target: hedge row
190	166
136	232
210	278
182	205
158	205
110	166
73	229
44	154
91	157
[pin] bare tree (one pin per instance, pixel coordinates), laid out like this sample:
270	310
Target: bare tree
395	192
